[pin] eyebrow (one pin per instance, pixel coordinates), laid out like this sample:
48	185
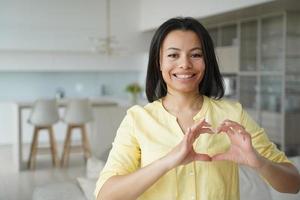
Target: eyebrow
177	49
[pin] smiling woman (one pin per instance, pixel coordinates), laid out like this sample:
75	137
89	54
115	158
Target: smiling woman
181	62
188	142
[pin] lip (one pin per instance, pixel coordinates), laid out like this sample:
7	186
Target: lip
184	76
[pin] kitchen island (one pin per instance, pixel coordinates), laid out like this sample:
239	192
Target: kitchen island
107	117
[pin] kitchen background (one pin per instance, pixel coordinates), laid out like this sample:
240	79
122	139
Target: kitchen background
95	48
71	84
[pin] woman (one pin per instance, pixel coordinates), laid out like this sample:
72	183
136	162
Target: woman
187	142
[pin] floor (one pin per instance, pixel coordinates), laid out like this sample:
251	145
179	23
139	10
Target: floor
20	185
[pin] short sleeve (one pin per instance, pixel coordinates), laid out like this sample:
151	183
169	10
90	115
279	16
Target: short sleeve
260	140
124	157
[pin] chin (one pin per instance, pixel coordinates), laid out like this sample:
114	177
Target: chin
187	90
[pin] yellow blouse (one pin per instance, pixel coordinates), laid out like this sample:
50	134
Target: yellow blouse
148	133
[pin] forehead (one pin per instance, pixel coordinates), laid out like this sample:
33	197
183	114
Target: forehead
181	39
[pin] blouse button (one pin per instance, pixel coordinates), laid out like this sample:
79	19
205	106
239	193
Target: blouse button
191	173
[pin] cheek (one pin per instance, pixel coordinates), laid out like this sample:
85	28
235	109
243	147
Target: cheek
200	65
165	67
165	73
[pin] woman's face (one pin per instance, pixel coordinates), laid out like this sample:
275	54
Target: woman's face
181	61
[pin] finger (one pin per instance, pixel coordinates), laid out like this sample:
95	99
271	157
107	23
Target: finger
221	127
202	157
229	132
202	131
246	136
234	124
205	123
201	123
226	129
191	137
185	139
196	131
222	156
207	130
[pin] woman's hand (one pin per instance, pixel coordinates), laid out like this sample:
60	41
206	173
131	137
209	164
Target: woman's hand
184	152
241	150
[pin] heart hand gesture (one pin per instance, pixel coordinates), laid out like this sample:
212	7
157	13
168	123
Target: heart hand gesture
241	150
184	152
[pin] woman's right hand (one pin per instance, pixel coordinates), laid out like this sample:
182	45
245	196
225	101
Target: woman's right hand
184	152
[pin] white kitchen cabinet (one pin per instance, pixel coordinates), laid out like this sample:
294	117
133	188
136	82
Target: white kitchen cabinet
227	51
269	56
228	59
268	71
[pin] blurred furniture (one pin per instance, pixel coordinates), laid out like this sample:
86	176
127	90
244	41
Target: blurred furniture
77	115
107	113
43	116
268	75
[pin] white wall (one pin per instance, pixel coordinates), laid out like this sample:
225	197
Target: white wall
154	12
7	125
50	25
66	61
54	35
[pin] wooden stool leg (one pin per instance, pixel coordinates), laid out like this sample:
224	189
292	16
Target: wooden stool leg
66	150
53	147
85	143
33	149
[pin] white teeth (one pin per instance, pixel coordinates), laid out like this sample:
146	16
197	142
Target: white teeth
184	76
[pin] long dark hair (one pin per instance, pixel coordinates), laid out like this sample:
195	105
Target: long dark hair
212	82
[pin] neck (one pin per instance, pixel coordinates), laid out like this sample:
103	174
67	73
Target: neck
183	102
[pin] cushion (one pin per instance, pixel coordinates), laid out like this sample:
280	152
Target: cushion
252	186
56	191
88	187
88	184
94	167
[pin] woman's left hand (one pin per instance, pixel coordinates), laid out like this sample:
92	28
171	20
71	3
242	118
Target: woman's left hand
241	150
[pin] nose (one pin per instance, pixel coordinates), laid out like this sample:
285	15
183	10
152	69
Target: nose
185	63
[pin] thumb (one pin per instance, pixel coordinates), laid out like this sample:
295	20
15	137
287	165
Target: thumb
222	156
202	157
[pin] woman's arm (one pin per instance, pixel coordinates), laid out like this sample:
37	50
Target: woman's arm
131	186
283	177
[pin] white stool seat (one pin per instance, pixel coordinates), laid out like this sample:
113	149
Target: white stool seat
78	113
43	115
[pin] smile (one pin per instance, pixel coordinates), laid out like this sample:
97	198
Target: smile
184	76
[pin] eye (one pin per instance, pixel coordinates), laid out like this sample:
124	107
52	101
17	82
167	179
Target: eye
173	55
197	55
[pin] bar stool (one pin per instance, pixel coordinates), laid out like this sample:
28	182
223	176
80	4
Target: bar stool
78	113
43	115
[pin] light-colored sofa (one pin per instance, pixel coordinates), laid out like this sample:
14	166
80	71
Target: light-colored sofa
251	186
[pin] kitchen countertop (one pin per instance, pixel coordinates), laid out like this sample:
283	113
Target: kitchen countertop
63	102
